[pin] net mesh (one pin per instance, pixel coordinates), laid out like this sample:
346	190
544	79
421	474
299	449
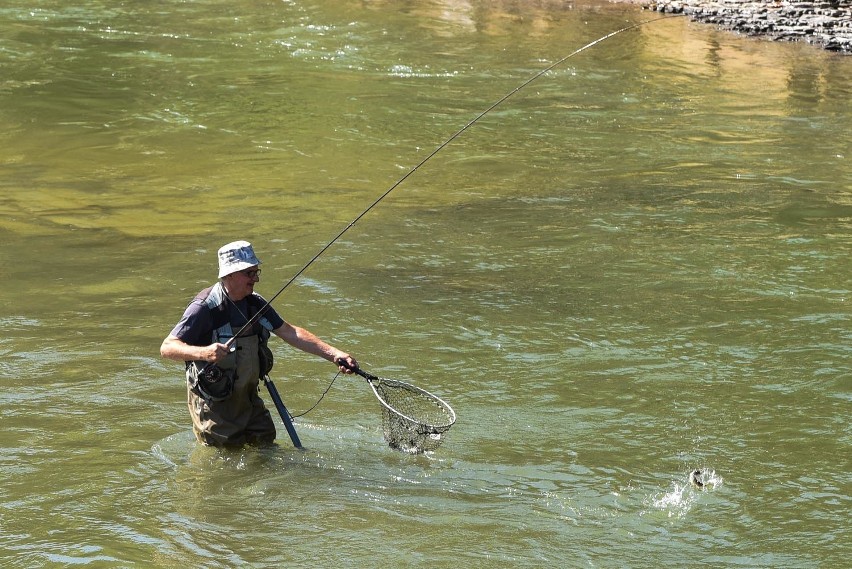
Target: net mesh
413	419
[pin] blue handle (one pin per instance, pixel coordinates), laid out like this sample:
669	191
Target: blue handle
282	410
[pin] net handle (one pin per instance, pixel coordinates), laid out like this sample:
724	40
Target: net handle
368	376
371	378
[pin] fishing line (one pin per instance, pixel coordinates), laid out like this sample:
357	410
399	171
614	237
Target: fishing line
440	147
324	393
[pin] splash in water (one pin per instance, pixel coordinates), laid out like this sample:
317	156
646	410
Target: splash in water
683	495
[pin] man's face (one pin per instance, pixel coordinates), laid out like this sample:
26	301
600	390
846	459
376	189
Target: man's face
241	284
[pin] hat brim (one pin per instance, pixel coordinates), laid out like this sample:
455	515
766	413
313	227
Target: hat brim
235	268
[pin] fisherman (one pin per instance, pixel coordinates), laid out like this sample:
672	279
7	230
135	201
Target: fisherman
223	377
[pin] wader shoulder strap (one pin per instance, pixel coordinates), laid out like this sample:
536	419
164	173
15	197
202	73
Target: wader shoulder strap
215	299
262	329
257	303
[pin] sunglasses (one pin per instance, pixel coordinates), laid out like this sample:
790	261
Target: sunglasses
251	273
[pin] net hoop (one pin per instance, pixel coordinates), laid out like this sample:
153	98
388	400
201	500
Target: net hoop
421	427
443	405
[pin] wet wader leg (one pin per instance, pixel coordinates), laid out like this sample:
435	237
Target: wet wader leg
242	417
261	428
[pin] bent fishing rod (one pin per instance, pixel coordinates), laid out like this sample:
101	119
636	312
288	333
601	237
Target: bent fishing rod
255	317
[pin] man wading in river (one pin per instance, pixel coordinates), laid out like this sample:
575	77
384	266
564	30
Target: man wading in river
222	378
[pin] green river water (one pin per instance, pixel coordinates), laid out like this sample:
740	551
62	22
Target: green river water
637	266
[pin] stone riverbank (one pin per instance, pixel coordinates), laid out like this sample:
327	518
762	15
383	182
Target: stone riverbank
827	24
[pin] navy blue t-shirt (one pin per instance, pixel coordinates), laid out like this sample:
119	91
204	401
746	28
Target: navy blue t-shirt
196	325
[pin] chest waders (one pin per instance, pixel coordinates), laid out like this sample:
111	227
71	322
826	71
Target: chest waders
229	411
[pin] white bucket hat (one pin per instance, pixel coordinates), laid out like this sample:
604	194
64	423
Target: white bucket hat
235	257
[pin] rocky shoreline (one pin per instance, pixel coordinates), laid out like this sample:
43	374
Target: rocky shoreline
827	24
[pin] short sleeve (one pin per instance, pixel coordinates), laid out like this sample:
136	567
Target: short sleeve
195	326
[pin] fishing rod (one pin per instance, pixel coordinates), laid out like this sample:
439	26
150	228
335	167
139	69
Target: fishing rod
255	317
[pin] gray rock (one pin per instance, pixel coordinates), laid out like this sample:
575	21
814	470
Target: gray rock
827	24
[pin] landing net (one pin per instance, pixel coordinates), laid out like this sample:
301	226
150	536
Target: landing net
413	420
